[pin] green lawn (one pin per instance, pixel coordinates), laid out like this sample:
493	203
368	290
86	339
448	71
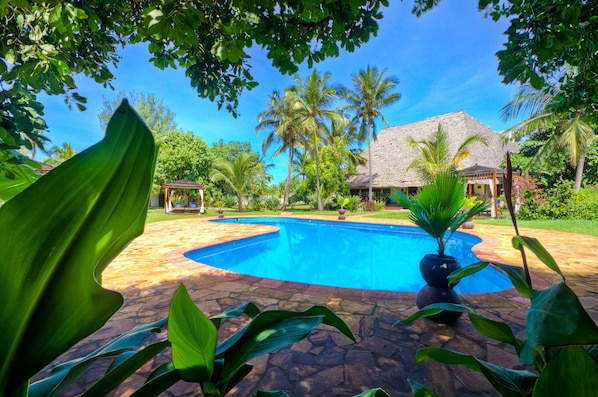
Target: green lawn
586	227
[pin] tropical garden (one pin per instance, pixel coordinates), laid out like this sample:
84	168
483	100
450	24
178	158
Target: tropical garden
96	202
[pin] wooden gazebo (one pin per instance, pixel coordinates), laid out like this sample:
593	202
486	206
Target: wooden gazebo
185	184
479	175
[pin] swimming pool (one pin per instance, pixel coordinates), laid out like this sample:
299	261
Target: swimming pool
344	254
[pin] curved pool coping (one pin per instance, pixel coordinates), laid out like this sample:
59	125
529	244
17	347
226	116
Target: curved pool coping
485	251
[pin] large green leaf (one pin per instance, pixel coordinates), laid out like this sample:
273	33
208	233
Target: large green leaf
496	330
508	382
193	338
272	329
571	372
159	380
65	373
557	318
420	390
58	235
377	392
539	250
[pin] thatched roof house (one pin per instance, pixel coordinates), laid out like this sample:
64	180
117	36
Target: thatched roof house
391	153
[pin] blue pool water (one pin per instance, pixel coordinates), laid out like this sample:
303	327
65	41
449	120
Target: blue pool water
344	254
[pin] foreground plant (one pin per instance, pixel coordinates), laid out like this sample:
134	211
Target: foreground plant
562	339
196	356
60	233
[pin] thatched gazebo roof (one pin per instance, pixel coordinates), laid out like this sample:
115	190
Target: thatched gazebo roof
391	153
183	184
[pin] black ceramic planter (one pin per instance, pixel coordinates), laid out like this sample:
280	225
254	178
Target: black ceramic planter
428	295
435	270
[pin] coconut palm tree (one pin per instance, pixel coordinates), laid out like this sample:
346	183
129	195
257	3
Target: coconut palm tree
279	120
570	130
60	154
312	100
240	175
435	155
371	91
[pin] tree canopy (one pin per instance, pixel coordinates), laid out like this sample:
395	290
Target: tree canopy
45	44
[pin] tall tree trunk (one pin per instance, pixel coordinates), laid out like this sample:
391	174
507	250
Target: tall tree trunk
320	206
370	156
579	169
287	186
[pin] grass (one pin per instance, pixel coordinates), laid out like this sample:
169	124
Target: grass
585	227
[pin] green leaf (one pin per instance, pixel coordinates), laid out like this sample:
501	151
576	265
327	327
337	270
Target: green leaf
517	277
496	330
467	271
375	393
126	365
54	250
270	330
538	250
571	372
249	309
557	318
420	390
273	393
64	374
193	338
159	381
506	381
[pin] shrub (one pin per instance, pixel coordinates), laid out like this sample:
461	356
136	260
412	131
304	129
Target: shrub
354	202
272	204
230	201
257	204
369	206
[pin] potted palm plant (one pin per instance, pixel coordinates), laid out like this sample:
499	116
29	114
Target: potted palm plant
439	209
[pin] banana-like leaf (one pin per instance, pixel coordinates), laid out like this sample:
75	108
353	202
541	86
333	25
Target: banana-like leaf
496	330
571	372
557	318
272	393
127	364
58	235
250	309
160	380
420	390
193	338
375	393
508	382
64	374
272	329
538	250
462	272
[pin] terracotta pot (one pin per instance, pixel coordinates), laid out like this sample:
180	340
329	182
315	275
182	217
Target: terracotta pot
435	270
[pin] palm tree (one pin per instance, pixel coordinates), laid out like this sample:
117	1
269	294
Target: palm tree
240	175
571	130
435	154
311	102
60	154
371	91
279	119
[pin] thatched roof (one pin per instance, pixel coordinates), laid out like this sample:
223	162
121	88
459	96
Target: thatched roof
183	184
391	153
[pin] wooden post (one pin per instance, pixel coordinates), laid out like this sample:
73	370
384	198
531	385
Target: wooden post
494	195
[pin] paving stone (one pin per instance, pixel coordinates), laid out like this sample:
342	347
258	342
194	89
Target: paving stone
326	363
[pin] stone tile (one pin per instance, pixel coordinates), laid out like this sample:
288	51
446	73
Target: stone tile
326	363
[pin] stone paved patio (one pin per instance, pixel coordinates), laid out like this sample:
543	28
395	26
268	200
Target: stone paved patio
326	363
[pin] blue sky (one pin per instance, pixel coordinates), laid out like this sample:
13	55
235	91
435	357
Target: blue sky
444	61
